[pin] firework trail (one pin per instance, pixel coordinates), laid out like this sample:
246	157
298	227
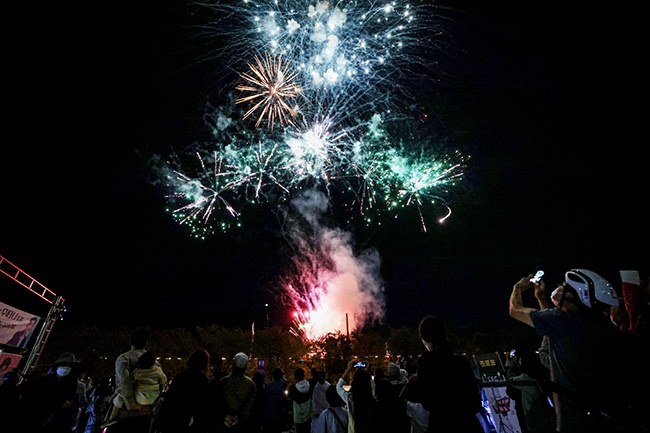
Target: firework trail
334	82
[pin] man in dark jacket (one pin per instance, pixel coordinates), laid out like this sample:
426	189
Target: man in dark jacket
188	399
275	403
446	385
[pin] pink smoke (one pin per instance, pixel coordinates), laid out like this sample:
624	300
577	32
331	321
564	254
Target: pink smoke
332	288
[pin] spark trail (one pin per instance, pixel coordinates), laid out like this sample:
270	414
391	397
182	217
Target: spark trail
334	81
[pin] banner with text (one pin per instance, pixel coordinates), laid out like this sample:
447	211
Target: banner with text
501	409
16	326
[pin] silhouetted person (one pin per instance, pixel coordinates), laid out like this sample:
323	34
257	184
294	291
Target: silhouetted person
275	403
300	395
257	412
392	415
9	399
217	371
188	404
446	386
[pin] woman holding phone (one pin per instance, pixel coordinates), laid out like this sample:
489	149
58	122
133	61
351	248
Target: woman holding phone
359	398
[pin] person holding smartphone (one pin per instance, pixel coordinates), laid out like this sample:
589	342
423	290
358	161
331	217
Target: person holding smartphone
359	399
593	371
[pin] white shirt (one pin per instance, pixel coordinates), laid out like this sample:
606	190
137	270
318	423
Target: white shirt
124	366
327	422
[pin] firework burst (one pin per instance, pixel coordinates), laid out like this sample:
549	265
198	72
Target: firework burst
272	85
357	69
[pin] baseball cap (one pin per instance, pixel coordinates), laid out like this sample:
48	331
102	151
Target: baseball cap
241	360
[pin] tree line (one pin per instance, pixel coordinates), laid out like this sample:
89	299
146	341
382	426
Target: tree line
98	347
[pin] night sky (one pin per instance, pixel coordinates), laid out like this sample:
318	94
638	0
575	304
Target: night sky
536	94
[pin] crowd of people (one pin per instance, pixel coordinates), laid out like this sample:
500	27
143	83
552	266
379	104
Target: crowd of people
586	376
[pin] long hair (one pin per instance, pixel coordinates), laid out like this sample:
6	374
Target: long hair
363	403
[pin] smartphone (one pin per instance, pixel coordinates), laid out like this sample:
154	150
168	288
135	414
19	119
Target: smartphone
360	364
538	276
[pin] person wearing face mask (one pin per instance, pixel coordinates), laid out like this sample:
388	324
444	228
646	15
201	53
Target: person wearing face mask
593	371
50	403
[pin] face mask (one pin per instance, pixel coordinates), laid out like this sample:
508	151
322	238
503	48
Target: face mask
63	371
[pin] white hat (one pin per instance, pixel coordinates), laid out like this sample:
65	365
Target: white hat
66	358
240	359
591	287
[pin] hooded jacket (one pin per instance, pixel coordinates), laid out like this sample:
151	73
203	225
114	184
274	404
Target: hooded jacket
319	402
300	394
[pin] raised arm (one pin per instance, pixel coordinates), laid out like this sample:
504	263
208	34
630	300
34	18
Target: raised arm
343	381
517	310
540	295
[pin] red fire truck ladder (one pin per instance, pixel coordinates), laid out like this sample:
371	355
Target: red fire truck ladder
28	282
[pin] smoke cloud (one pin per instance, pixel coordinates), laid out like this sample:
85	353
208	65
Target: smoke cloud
332	288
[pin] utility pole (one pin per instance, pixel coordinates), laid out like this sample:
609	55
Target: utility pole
347	327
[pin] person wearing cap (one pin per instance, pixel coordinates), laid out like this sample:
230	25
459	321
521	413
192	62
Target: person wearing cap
587	356
235	394
50	403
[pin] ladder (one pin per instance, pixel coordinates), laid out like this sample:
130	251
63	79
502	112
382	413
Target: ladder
54	314
25	280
